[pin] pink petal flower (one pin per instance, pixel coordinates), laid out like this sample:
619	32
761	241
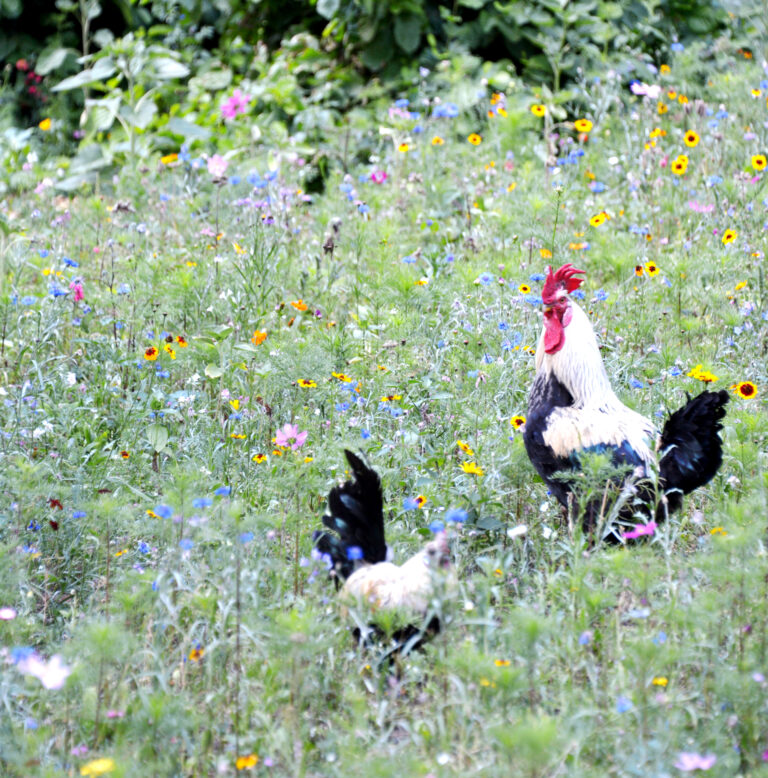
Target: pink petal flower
51	674
77	289
688	762
300	438
7	614
378	176
217	166
640	530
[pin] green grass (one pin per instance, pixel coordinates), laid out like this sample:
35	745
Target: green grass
210	635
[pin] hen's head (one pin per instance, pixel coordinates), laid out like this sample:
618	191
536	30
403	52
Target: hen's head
557	306
438	551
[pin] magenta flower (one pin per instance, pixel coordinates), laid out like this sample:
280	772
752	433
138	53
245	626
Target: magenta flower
289	435
77	290
7	614
235	105
217	165
640	530
378	176
688	762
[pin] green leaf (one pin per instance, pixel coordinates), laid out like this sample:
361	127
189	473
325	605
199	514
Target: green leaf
214	371
327	8
167	68
157	435
51	58
188	129
408	32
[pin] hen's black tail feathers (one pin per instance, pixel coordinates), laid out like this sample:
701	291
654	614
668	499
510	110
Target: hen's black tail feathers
691	446
356	518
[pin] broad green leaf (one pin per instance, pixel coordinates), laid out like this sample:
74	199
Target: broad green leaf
157	435
50	59
167	68
187	129
214	371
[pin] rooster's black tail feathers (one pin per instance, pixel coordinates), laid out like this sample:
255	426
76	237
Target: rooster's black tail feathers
692	451
355	518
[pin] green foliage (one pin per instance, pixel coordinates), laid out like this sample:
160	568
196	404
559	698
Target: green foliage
155	537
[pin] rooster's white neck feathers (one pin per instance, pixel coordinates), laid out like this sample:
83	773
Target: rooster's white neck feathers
597	416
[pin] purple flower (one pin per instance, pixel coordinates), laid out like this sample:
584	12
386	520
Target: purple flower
688	761
290	432
378	176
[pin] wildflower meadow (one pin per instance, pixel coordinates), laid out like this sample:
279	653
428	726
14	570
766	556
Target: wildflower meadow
199	313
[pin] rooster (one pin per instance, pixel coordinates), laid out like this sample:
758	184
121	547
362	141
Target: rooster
573	410
398	599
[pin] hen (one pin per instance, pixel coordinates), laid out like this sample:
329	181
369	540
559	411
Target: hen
397	600
573	410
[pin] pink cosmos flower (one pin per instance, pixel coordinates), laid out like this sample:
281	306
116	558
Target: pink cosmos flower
217	165
77	290
688	762
696	206
290	432
51	674
378	176
235	105
640	530
7	614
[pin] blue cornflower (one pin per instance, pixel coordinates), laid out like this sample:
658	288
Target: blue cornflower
342	407
403	102
409	259
596	186
354	552
185	544
223	491
436	526
79	514
660	638
163	511
143	547
70	262
578	294
57	291
675	371
623	704
457	515
164	198
537	276
410	504
202	502
43	253
28	300
635	384
246	537
487	359
364	208
677	46
503	326
471	373
714	181
601	295
485	278
585	638
235	180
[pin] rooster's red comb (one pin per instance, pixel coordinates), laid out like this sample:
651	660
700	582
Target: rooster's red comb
562	278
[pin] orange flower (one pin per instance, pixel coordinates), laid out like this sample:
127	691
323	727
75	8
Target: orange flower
258	337
181	341
299	305
474	139
539	109
582	125
151	354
